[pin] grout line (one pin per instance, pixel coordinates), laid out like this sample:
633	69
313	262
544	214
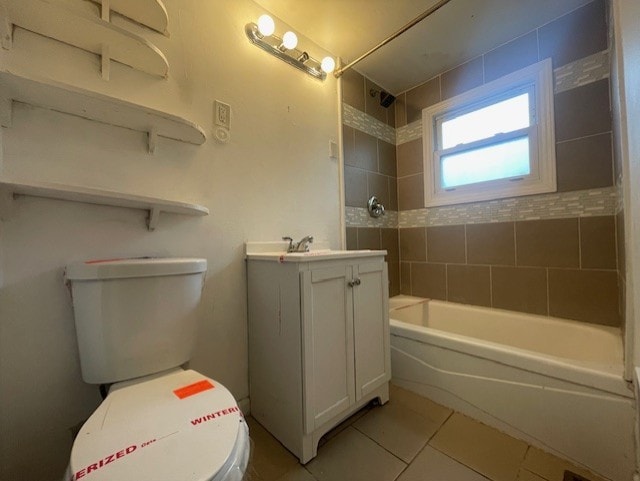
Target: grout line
403	470
613	150
586	269
466	248
460	462
533	472
515	245
585	137
443	422
615	240
446	282
579	243
491	286
526	452
548	292
426	245
376	442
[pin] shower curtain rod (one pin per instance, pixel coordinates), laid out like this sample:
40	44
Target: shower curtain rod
338	73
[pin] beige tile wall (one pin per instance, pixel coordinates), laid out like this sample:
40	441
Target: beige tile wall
370	169
379	238
559	267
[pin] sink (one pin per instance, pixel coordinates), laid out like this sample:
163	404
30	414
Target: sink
276	251
315	255
326	252
318	252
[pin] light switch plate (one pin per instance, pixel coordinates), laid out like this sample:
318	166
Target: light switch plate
333	149
222	114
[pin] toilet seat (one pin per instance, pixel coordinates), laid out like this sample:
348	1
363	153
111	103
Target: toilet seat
178	425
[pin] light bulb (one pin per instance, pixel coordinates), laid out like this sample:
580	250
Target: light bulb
266	26
290	40
328	64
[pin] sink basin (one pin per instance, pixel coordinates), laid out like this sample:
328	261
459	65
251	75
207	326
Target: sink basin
319	252
327	252
276	251
313	255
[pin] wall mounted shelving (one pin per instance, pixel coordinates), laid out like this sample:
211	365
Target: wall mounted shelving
96	34
10	189
86	32
150	13
92	105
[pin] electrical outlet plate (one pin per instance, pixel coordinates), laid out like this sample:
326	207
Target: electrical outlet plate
222	114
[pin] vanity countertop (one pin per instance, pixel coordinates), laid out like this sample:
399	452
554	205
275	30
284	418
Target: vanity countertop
277	251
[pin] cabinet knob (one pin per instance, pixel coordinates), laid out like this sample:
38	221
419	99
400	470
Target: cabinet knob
354	282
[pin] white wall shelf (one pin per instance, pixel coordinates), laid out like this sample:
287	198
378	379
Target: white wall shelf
10	189
92	105
150	13
86	32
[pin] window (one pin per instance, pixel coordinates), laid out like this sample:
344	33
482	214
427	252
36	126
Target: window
492	142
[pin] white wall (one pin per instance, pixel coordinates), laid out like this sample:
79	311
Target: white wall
626	15
626	107
273	178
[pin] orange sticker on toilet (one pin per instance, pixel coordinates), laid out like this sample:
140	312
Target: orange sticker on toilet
195	388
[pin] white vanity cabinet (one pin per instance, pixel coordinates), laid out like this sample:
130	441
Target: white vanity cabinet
318	341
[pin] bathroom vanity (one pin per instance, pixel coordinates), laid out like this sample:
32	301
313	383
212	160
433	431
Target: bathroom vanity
318	340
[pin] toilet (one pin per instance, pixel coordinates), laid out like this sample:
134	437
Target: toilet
136	323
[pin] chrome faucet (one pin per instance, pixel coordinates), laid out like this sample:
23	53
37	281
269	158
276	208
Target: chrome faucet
302	246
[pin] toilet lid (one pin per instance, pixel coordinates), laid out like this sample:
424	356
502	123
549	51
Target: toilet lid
179	425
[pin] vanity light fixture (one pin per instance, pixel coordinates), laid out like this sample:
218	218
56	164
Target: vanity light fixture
289	41
328	65
262	34
266	25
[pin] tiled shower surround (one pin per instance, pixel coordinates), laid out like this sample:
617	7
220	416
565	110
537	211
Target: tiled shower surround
552	254
559	267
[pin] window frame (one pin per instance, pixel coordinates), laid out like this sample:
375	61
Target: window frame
536	79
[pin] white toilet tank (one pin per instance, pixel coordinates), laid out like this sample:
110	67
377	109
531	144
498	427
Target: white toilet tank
134	317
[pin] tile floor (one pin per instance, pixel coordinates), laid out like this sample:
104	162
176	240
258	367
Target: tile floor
408	439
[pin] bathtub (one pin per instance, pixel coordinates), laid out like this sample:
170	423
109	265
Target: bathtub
556	384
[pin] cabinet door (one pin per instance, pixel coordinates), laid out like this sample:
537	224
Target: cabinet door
371	327
327	309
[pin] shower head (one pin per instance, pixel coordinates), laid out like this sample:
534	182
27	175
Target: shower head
386	99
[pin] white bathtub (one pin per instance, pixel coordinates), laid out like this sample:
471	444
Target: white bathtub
555	383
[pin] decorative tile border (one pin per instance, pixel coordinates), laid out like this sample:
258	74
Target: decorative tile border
359	217
409	132
585	203
620	194
582	72
575	74
365	123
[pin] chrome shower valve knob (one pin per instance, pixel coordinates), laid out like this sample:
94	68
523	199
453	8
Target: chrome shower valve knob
375	208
